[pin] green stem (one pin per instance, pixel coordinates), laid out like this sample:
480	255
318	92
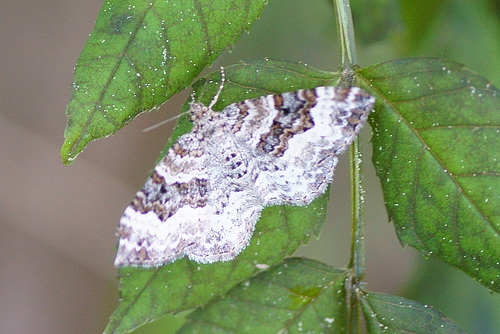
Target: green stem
346	34
357	258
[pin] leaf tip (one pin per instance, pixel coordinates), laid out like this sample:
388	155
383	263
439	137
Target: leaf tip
68	154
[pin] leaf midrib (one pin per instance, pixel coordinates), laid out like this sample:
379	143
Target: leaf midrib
110	77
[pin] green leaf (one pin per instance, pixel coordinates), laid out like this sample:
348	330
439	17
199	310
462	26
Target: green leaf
298	295
436	149
392	314
183	284
140	53
302	295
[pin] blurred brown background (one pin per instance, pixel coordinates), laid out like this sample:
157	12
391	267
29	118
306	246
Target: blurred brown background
57	224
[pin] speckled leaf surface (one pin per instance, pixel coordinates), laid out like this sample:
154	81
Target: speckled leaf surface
306	296
183	284
140	53
386	313
296	296
436	149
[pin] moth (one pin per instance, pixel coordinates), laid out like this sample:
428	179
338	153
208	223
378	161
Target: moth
205	196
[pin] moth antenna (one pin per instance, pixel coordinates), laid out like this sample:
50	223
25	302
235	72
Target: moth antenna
168	120
214	101
216	97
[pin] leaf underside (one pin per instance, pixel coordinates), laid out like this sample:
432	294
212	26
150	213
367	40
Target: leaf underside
140	53
436	149
147	294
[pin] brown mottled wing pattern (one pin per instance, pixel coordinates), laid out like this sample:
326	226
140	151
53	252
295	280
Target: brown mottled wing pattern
205	197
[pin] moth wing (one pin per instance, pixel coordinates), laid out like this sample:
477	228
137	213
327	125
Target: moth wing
191	205
295	139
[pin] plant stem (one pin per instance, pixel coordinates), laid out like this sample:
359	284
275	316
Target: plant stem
346	32
357	258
